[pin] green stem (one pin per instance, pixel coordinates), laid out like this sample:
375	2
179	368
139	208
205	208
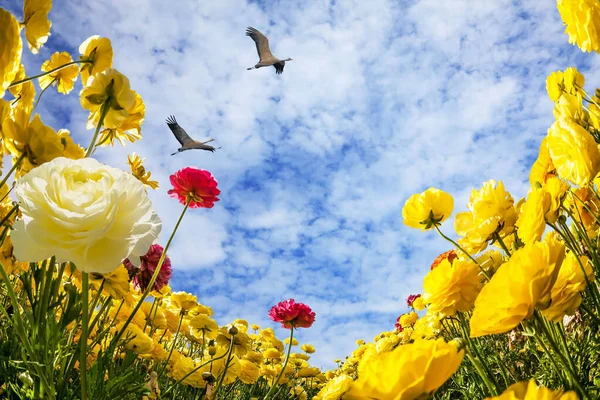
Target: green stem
222	378
287	358
13	168
172	346
499	240
103	111
46	73
461	249
154	276
84	334
41	93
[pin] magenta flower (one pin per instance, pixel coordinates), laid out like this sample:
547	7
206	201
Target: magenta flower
292	314
196	184
141	276
411	299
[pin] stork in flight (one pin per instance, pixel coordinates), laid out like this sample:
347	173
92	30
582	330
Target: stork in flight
264	52
187	143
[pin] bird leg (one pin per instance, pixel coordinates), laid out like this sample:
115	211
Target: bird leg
248	69
208	141
175	153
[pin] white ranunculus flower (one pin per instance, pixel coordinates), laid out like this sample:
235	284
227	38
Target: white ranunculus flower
85	212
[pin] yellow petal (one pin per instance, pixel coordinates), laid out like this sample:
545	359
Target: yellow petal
10	49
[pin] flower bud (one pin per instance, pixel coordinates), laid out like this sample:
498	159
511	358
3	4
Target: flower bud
208	377
212	350
233	330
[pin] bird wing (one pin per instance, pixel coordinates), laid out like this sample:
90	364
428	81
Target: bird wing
180	134
262	43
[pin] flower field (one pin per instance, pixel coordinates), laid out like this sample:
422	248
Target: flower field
510	311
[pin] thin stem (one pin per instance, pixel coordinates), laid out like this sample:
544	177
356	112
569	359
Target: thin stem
190	373
499	240
41	93
461	249
220	383
287	358
154	276
172	346
49	72
13	168
84	334
103	111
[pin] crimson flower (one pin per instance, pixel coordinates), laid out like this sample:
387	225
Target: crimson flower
411	299
196	184
450	255
292	314
399	327
141	276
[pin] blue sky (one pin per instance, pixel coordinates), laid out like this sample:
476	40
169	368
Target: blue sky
383	99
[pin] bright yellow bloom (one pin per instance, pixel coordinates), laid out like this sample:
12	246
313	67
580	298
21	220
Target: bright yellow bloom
532	219
241	341
423	211
308	348
130	129
137	169
569	106
573	151
294	341
249	372
182	302
452	287
234	369
64	78
155	315
300	356
335	388
98	51
407	320
298	393
271	353
108	86
582	18
419	304
573	80
116	283
71	149
136	339
555	85
37	25
585	207
201	309
308	372
24	93
530	391
491	210
519	286
254	357
542	169
10	49
204	326
407	372
566	292
255	327
360	342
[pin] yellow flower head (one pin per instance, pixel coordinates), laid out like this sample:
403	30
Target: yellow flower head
37	25
555	85
204	326
114	284
24	93
294	341
99	54
137	169
136	339
255	327
271	353
182	302
111	87
573	80
452	287
409	319
491	210
308	372
532	219
308	348
129	130
520	285
582	18
65	78
566	292
335	387
530	391
419	304
573	151
542	169
407	372
10	49
423	211
585	207
254	357
249	371
241	341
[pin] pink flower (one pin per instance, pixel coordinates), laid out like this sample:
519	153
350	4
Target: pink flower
197	184
399	327
292	314
411	299
141	276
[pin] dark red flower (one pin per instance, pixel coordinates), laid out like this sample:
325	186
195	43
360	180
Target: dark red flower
399	327
292	314
411	299
450	255
197	184
141	276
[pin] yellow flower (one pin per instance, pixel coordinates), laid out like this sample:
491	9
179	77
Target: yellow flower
116	283
569	106
452	287
335	388
585	207
532	220
555	85
271	353
112	87
84	212
99	54
182	302
10	49
298	393
300	356
24	93
241	341
573	80
491	210
65	78
136	339
407	372
254	357
582	18
542	169
423	211
573	151
204	326
308	348
566	292
519	286
294	341
308	372
201	309
255	327
155	315
130	129
37	25
71	149
249	372
137	169
360	342
419	304
530	391
234	369
407	320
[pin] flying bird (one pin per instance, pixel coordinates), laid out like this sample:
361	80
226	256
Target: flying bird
264	52
187	143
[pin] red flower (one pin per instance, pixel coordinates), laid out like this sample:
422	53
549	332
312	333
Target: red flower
399	327
141	276
197	184
292	314
411	299
450	255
